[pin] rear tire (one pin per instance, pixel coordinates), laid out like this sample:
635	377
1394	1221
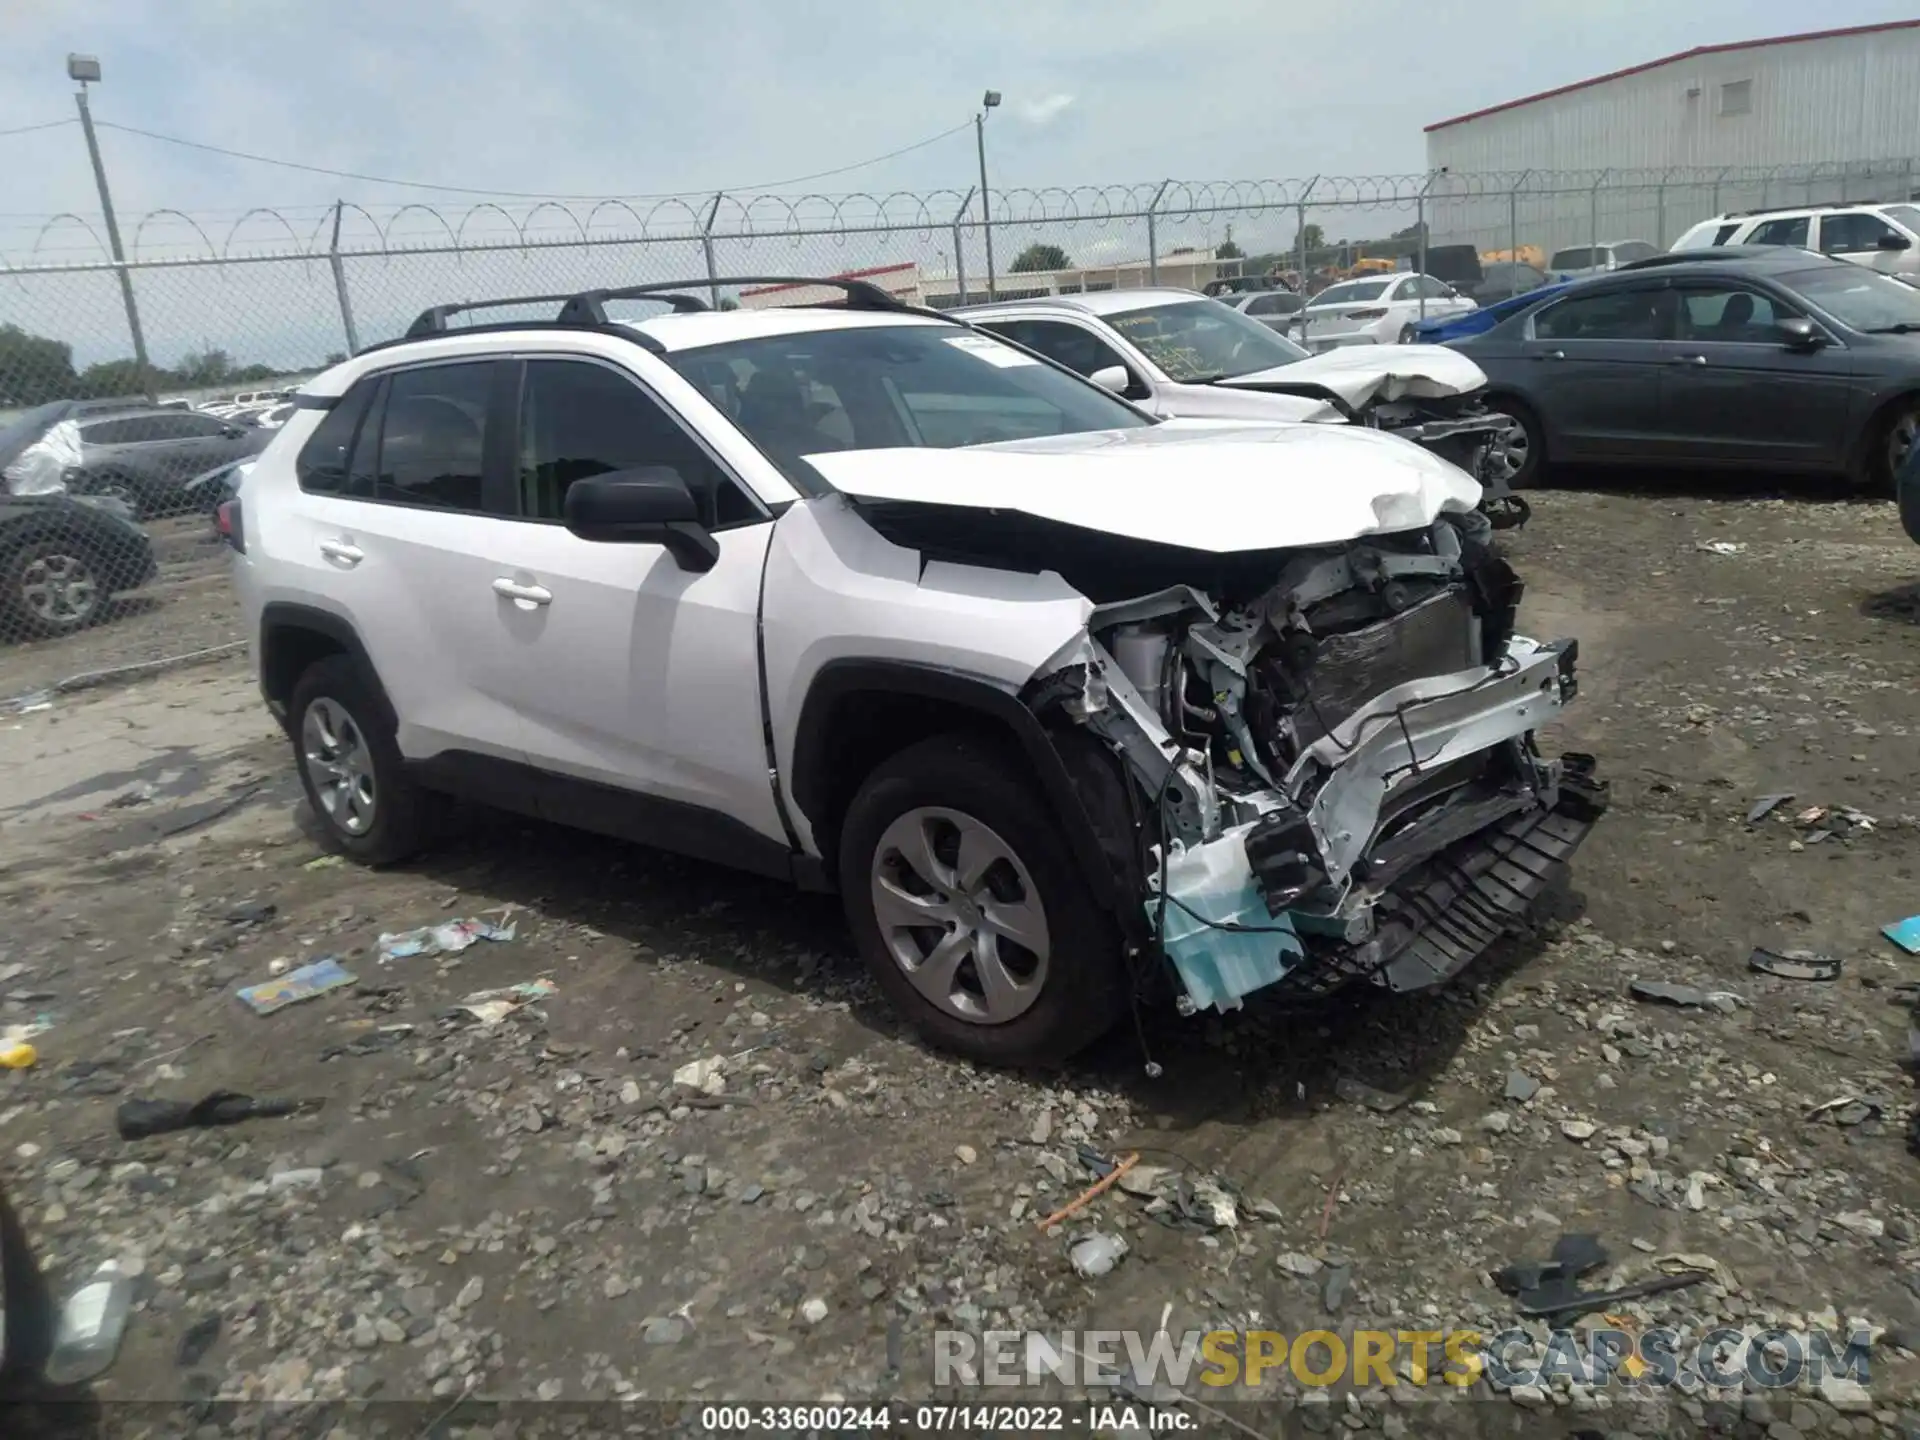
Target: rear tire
1522	449
1889	447
367	806
51	587
952	832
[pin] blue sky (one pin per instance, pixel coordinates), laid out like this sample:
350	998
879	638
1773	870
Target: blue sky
602	97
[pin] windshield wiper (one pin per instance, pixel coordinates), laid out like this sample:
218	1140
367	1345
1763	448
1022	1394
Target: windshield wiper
1205	379
1905	327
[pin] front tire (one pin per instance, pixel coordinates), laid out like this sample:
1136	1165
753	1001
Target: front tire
970	912
1892	446
367	806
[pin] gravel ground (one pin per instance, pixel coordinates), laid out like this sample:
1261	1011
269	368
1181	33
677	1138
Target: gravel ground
534	1209
189	606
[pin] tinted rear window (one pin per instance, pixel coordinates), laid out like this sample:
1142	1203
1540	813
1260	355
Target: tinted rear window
322	463
1572	259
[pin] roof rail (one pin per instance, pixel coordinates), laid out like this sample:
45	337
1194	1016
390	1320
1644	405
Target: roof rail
1817	205
433	320
588	307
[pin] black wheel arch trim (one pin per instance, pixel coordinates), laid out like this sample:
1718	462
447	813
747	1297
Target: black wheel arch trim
837	680
279	619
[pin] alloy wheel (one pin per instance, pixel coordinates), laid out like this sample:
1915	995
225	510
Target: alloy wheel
339	764
59	590
1508	452
959	913
1900	439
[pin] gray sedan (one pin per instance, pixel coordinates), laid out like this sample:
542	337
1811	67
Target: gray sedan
1766	359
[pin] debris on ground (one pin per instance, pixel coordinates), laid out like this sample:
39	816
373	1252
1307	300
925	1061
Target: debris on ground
1096	1255
1720	547
490	1007
1904	933
448	938
324	862
196	1340
18	1055
1358	1092
91	1323
254	912
306	983
1849	1109
1550	1288
1687	997
1794	964
137	1119
1766	805
707	1075
1099	1187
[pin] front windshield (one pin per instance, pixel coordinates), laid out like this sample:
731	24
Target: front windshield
1858	297
1351	291
1195	341
882	387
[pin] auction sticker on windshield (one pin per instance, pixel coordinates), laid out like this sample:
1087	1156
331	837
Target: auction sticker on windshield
991	351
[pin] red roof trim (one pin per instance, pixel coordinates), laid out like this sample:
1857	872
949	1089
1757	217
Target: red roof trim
865	274
1697	50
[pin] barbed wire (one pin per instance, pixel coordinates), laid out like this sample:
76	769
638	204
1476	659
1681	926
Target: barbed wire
172	236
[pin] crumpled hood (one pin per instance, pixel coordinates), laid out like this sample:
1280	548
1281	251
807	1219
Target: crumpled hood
1363	374
1197	484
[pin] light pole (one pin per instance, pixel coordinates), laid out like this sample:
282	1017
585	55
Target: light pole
987	102
81	69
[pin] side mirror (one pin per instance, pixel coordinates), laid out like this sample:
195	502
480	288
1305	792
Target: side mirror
1895	242
1112	377
232	432
1799	333
650	505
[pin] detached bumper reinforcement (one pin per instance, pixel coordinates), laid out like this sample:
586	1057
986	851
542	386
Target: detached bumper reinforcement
1486	886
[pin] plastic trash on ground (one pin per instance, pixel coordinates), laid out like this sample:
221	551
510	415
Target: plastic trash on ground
490	1007
91	1323
1904	933
1096	1255
446	939
1215	886
295	986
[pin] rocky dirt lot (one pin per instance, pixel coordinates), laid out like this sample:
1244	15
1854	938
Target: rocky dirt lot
533	1209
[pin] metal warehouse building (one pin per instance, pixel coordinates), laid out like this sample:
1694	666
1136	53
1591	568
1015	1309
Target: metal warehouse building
1644	152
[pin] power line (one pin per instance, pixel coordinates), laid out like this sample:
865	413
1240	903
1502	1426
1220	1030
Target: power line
49	125
520	194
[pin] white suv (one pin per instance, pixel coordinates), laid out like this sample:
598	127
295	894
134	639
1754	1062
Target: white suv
1882	237
1069	704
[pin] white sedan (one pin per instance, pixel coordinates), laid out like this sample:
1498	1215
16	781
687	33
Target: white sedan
1380	310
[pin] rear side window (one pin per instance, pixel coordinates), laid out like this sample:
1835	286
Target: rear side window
433	439
1725	233
1780	232
322	463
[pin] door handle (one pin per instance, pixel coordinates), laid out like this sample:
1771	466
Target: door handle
347	554
522	595
1688	360
1550	355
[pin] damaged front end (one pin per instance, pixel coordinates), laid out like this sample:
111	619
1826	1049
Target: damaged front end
1460	429
1334	770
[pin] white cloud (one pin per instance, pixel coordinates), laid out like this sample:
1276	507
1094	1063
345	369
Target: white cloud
1046	109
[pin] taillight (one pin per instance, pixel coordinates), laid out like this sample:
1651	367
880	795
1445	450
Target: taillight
226	520
1365	314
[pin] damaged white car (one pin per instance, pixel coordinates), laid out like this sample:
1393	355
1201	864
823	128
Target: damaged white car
1071	705
1178	353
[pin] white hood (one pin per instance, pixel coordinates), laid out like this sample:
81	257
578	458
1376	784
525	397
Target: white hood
1196	484
1363	374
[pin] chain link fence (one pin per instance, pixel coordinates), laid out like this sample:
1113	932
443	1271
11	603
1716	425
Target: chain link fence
124	409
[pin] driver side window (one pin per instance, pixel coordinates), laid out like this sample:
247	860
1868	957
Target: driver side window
579	419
